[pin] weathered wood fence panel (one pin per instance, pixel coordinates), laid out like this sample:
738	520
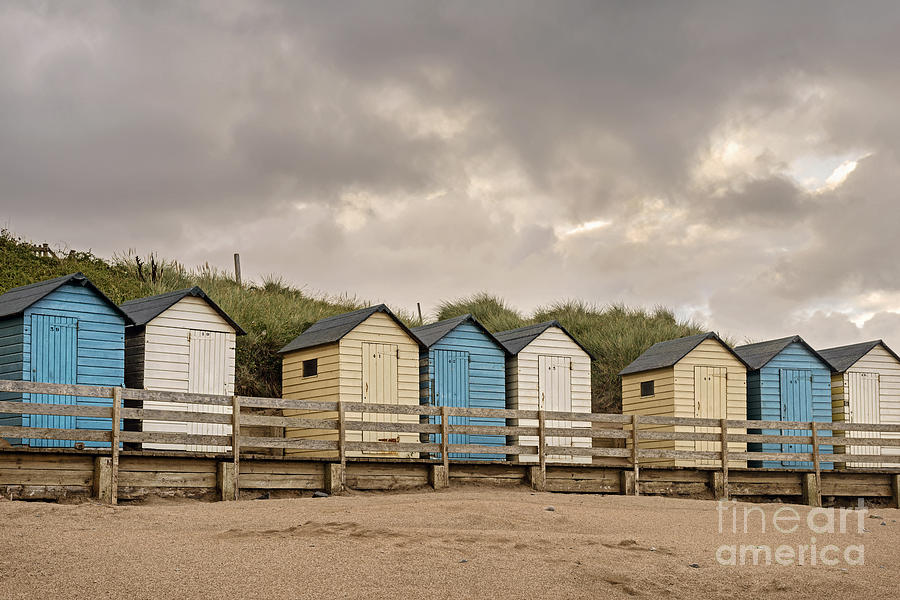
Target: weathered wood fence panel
433	464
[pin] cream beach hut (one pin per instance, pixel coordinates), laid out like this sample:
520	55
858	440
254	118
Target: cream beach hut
367	355
696	376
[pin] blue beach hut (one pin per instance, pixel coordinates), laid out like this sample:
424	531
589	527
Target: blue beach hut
787	381
462	364
62	330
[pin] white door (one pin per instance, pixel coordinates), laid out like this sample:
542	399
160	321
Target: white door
379	386
208	374
710	395
863	406
555	394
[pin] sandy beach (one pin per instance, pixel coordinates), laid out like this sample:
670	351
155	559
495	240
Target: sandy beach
460	543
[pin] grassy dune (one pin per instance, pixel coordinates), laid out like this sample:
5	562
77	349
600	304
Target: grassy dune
273	312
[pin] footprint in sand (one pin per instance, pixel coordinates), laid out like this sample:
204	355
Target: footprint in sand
632	545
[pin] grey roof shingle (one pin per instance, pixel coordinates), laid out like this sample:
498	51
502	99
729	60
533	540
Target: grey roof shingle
665	354
516	339
331	329
17	300
431	334
759	354
144	310
842	358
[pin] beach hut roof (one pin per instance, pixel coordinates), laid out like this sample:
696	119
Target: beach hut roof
17	300
144	310
331	329
759	354
665	354
842	358
516	339
431	334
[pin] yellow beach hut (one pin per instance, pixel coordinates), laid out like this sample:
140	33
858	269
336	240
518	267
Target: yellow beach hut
367	355
696	376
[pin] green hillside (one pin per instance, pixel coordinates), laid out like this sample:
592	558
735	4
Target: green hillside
273	313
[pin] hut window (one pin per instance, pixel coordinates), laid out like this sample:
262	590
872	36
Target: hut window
647	388
311	367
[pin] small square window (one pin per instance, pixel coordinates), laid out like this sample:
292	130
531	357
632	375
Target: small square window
647	388
311	367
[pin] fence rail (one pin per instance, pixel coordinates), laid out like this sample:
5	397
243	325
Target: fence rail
627	437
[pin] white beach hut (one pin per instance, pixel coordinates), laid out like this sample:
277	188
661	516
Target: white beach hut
181	342
548	369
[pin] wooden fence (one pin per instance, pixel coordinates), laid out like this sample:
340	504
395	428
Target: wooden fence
630	431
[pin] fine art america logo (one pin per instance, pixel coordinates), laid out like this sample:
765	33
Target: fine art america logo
786	520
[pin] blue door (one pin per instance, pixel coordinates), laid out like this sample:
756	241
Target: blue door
451	377
54	359
796	405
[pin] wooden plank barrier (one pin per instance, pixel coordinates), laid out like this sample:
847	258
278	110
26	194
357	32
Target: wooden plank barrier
635	475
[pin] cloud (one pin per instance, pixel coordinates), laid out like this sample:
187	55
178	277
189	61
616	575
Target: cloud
737	162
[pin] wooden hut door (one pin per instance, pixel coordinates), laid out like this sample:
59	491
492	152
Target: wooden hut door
710	397
796	405
451	377
555	394
54	359
379	386
207	374
864	406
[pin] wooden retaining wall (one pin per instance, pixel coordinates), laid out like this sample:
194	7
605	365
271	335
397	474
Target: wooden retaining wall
57	474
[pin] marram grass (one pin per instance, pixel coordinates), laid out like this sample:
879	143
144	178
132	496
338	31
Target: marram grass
273	312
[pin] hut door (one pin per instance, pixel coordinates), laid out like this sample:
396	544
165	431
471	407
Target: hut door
710	396
379	386
207	375
864	393
796	405
451	378
555	394
54	359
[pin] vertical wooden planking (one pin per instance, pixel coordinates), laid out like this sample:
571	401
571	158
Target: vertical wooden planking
710	402
54	352
864	407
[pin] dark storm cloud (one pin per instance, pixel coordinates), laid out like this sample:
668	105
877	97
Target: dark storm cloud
653	153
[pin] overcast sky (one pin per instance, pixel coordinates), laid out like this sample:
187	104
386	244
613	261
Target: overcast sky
737	163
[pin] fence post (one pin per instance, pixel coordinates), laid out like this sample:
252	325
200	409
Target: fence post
723	426
342	446
445	441
114	444
542	451
236	443
634	454
814	428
